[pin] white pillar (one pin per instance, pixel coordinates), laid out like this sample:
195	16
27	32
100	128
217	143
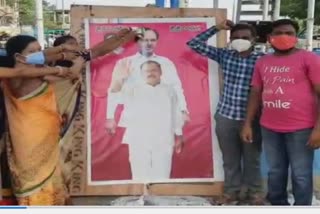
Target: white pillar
63	15
215	3
276	12
238	11
265	10
39	18
310	22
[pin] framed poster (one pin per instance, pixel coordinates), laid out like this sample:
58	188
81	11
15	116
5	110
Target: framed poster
166	91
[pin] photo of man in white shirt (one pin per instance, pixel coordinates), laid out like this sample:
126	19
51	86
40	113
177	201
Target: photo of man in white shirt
153	125
130	68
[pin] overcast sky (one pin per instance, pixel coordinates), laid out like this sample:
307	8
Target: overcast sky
141	3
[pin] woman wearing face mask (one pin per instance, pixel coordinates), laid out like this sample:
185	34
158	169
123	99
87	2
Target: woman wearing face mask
287	84
47	56
30	71
34	128
237	67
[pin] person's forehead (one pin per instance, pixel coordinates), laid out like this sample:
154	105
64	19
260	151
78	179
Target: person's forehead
33	45
284	28
150	33
241	32
151	66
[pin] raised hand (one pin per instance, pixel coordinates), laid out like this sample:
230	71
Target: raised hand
225	25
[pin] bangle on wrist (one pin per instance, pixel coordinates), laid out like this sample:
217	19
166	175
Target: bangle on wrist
60	73
63	56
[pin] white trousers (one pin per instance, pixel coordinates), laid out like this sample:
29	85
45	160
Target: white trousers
151	163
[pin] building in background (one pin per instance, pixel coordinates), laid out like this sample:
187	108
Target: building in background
9	22
252	10
61	17
9	18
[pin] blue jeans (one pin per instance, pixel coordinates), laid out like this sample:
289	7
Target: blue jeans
284	150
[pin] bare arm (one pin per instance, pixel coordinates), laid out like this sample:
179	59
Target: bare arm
30	71
252	109
60	49
317	90
122	37
53	78
74	73
62	52
61	56
253	105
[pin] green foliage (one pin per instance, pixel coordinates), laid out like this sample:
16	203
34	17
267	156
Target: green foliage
27	13
298	9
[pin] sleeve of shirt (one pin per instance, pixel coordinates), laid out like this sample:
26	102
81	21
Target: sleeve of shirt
112	103
177	86
199	45
256	77
313	68
118	74
177	116
113	97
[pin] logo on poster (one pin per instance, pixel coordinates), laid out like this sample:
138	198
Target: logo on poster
109	28
180	28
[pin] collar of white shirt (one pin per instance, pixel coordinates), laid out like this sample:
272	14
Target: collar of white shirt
146	85
139	55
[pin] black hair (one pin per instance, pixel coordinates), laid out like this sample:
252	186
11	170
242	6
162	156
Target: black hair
282	22
16	45
62	39
59	41
244	26
151	62
153	30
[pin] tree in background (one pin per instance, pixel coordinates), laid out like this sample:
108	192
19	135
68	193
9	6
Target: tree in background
27	13
298	9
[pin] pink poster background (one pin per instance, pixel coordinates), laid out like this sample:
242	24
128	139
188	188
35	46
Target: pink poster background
109	157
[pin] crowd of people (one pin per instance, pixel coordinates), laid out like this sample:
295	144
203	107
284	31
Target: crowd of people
268	101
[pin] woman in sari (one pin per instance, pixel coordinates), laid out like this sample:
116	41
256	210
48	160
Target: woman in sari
34	129
62	52
27	71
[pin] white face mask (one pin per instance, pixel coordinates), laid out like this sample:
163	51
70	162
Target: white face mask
241	45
